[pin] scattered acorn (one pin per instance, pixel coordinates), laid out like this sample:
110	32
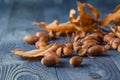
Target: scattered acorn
52	35
50	59
96	50
59	51
115	43
75	61
30	39
107	46
43	36
82	52
108	37
118	49
40	44
67	51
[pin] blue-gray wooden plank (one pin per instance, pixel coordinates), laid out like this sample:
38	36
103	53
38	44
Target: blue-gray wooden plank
19	25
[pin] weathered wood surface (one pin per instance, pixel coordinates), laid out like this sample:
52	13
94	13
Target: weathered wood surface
15	23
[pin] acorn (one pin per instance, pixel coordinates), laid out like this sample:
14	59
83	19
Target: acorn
43	36
82	52
30	39
67	51
52	35
59	51
107	38
40	44
118	49
115	43
96	50
50	59
107	46
75	61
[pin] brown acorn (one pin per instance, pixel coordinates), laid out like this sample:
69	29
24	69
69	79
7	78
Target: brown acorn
96	50
30	39
75	61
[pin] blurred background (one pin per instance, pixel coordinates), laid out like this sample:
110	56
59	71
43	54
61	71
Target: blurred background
21	13
58	7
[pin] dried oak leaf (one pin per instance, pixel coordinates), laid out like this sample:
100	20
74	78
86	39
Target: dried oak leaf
56	27
117	20
93	10
110	17
32	53
84	19
80	7
72	15
116	8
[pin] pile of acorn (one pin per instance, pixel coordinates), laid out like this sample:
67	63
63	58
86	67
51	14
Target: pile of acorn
83	44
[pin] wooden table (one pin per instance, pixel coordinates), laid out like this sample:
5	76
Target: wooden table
15	23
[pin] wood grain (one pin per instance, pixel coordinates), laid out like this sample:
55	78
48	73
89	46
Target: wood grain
13	67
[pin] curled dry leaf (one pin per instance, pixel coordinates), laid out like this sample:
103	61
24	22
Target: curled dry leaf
93	10
82	52
33	53
84	20
117	21
110	17
80	7
116	8
56	27
72	15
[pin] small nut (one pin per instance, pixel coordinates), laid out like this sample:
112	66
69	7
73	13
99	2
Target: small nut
30	39
76	48
89	45
82	52
43	36
49	60
59	51
40	44
76	38
67	51
81	33
75	61
117	34
107	46
115	43
107	38
77	43
88	41
96	50
118	49
92	36
69	44
51	34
